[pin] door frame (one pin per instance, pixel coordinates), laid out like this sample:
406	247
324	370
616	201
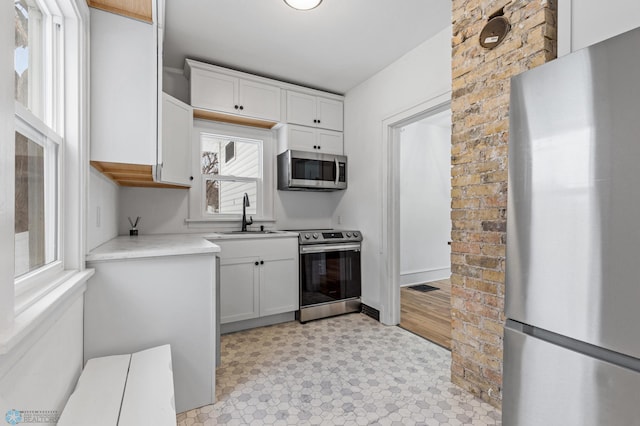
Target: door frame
390	246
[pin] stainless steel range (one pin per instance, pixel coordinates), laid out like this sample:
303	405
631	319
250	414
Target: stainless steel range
329	273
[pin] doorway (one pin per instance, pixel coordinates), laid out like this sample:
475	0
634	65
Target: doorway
425	227
437	108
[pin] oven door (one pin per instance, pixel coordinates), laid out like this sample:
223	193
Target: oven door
329	273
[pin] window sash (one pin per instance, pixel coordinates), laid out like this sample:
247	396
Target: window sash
212	177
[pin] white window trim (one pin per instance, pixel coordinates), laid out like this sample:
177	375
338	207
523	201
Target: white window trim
266	195
41	299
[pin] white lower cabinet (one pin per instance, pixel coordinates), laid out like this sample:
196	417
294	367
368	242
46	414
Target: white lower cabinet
258	278
239	289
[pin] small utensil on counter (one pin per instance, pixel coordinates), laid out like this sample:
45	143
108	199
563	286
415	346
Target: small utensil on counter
133	231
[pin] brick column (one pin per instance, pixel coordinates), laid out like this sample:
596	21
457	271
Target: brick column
480	109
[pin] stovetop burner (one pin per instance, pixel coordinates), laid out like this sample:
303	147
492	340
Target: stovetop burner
328	236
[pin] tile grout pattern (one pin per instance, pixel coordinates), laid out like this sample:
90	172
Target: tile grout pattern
347	370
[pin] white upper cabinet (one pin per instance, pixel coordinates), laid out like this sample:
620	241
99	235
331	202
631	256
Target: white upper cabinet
213	91
259	100
302	138
314	111
229	93
174	153
130	143
124	90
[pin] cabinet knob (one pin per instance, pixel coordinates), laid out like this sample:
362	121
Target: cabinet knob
190	177
315	121
315	147
318	121
236	106
318	146
262	262
241	107
257	263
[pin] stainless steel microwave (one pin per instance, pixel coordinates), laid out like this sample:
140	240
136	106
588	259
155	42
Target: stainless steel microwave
311	171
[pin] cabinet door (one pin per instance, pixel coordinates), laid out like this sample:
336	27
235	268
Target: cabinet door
279	290
259	100
124	92
301	109
302	138
213	91
174	147
330	114
329	142
239	289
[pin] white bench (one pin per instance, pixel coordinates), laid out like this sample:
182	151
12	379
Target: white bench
124	390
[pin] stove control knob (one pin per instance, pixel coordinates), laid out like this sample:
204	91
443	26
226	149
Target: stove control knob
307	236
356	235
315	236
348	234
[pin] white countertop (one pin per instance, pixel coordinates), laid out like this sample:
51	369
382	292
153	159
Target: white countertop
125	247
249	235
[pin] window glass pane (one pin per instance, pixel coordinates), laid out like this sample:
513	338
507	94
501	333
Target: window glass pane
28	56
229	156
31	250
225	197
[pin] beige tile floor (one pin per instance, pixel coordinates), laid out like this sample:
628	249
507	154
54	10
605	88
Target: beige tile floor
347	370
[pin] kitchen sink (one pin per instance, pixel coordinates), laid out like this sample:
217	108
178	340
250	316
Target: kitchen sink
249	232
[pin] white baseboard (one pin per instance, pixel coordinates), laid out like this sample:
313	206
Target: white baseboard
232	327
419	277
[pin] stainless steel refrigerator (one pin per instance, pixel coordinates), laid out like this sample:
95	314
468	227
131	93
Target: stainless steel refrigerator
572	342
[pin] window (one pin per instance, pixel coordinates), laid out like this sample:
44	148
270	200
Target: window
48	47
29	55
38	135
232	161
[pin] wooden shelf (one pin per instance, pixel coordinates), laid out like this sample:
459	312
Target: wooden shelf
136	9
137	175
233	119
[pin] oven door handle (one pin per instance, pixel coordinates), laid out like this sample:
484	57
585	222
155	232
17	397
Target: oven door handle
323	248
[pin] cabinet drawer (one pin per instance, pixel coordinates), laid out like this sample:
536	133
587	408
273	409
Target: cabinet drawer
258	247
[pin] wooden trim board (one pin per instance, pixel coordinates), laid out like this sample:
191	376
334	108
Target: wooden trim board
233	119
136	9
138	175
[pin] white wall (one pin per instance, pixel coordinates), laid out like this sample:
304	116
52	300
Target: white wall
40	375
102	216
420	75
582	23
164	211
176	84
425	202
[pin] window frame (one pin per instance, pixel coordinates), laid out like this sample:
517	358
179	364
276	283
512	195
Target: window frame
63	130
48	132
265	193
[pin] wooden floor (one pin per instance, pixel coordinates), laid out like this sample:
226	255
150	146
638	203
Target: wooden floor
428	314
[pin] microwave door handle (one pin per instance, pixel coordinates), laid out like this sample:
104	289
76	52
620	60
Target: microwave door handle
337	171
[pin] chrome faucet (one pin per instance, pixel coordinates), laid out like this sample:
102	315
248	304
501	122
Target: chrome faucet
245	204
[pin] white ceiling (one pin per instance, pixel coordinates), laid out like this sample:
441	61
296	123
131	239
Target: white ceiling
333	47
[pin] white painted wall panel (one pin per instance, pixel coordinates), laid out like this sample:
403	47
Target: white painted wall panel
102	216
425	202
582	23
418	76
43	376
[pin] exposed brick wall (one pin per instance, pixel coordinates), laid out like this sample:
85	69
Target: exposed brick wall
480	108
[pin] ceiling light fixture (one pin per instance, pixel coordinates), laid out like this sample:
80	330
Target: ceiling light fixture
303	4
